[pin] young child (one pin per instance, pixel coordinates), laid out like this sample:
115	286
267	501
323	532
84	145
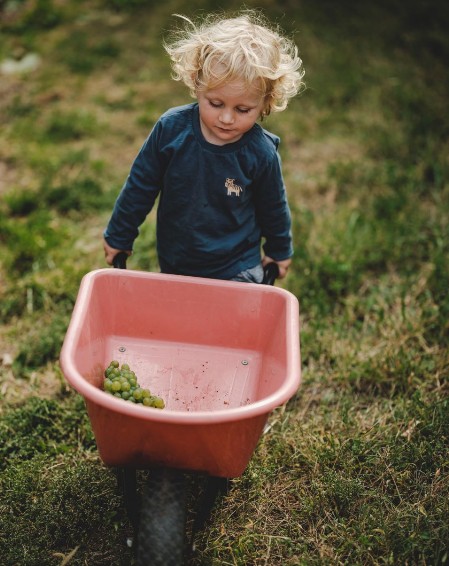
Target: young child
217	173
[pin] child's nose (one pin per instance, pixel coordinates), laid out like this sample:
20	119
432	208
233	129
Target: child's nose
226	116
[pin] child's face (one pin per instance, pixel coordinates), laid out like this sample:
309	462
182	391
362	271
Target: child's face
228	111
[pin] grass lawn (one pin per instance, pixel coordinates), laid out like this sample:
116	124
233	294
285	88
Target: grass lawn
355	468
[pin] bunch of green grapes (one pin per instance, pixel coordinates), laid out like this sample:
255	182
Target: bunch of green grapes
121	382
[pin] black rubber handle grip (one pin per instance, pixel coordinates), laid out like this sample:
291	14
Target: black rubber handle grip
270	273
119	260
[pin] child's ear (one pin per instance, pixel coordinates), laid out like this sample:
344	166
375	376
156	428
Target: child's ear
265	112
266	107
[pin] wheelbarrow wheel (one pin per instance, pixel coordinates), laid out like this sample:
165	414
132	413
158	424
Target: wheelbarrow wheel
161	536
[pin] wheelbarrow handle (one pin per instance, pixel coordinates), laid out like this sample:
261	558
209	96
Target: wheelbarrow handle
270	273
119	260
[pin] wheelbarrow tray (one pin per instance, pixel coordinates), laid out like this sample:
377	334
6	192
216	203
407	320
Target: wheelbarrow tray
221	354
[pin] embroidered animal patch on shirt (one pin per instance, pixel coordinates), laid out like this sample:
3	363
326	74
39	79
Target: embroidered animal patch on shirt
233	188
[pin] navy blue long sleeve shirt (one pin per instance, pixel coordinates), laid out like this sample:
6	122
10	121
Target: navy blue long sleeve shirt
217	203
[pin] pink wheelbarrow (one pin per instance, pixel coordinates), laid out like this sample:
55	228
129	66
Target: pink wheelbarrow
223	355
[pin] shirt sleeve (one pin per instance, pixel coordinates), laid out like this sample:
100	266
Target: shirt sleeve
273	212
138	195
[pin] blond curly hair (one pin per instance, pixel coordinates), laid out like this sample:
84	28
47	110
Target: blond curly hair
245	47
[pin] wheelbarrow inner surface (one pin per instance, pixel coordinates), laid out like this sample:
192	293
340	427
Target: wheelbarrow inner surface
221	354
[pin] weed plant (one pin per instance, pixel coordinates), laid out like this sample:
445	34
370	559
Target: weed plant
355	468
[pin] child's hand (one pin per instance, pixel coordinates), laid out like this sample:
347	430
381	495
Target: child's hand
283	265
110	253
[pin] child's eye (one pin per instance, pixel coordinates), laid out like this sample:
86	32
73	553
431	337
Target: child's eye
215	104
243	110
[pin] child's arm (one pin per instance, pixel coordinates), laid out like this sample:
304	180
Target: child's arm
135	200
274	217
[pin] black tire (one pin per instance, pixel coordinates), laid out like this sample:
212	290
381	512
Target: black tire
161	537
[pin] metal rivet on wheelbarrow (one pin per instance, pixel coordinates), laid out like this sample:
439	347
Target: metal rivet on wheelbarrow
122	349
245	362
